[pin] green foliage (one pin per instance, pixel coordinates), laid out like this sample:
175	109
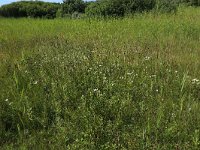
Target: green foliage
166	5
33	9
119	7
191	2
72	6
122	7
59	13
195	2
129	83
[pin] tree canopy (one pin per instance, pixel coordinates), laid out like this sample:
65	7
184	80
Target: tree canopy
30	9
98	8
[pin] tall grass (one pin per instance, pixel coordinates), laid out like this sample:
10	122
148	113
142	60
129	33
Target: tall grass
130	83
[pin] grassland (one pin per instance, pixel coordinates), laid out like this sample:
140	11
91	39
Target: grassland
129	83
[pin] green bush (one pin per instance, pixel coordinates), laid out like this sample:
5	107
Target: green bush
194	2
72	6
105	8
30	9
166	5
122	7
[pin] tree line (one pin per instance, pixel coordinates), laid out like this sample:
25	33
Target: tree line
39	9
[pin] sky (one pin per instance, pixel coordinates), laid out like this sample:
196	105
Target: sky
2	2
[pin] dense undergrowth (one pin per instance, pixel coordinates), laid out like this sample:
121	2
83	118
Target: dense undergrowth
130	83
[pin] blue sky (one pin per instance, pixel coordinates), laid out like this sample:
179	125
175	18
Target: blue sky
2	2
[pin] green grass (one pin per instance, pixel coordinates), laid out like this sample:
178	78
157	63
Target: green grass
129	83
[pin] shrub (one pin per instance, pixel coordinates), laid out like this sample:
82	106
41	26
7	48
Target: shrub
194	2
72	6
30	9
122	7
166	5
105	8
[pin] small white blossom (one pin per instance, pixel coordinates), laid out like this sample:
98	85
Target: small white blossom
6	100
173	115
153	76
195	81
84	57
147	58
130	73
36	82
168	70
95	90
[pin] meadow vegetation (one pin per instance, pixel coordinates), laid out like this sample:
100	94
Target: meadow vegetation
98	8
129	83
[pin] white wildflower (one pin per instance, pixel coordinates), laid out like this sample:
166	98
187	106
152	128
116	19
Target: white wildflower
95	90
195	81
147	58
85	58
129	73
173	115
153	76
36	82
169	70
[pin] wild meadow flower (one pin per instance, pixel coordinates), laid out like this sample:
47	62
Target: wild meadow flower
147	58
173	115
95	90
130	73
35	82
195	81
152	76
169	70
